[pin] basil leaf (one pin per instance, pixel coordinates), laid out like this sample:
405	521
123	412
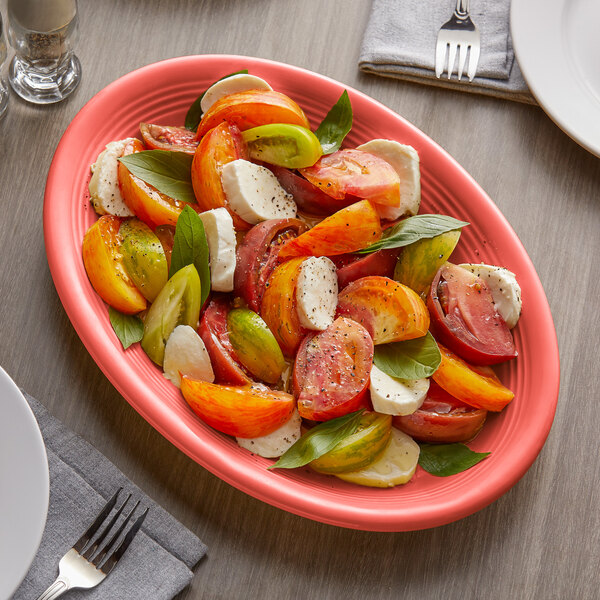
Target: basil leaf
443	460
190	247
169	172
129	328
194	113
411	359
413	229
318	441
336	125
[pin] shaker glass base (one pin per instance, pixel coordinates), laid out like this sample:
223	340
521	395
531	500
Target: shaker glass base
43	86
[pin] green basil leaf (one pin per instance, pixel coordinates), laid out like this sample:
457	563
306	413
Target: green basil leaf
194	113
336	125
318	441
169	172
413	229
411	359
129	328
443	460
190	247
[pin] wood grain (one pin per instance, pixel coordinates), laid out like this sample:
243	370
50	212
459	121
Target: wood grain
540	540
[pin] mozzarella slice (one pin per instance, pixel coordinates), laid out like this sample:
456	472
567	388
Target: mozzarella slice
277	442
232	85
220	235
393	396
317	293
104	185
186	354
504	287
405	161
254	193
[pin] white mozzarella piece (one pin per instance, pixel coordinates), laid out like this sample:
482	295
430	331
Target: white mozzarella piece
220	235
276	443
232	85
504	287
254	193
317	293
393	396
186	353
104	185
405	161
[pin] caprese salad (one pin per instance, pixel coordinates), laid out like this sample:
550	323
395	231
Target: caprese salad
290	288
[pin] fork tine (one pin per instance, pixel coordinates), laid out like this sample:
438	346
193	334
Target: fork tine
93	528
114	558
451	59
473	60
440	57
462	56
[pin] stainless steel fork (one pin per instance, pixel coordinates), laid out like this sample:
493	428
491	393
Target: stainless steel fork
458	34
90	560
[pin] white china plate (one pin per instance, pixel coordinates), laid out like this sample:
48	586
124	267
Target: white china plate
557	44
24	486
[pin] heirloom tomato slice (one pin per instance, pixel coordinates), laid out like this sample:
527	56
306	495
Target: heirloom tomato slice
252	108
219	146
103	263
351	267
464	318
331	371
166	137
356	173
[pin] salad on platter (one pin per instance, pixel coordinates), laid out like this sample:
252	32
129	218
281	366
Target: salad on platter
290	288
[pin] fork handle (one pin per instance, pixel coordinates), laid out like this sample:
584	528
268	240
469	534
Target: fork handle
58	588
462	8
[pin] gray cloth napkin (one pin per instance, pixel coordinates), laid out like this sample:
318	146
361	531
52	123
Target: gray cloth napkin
400	39
157	564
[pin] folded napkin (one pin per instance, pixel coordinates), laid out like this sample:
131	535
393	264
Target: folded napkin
401	35
157	564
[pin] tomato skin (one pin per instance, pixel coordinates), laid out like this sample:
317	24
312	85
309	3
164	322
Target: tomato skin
252	108
351	267
348	230
442	419
470	324
103	263
213	331
166	137
258	255
219	146
356	173
248	412
331	371
474	385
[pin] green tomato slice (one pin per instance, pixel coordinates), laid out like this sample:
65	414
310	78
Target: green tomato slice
144	258
178	303
255	345
283	145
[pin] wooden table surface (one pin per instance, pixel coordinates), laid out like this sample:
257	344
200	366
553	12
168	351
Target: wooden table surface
540	540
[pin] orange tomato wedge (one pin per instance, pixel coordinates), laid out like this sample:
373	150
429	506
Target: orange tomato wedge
348	230
473	385
252	108
103	262
246	412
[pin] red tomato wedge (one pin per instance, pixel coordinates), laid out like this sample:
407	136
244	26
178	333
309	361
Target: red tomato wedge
473	385
166	137
331	372
246	412
348	230
351	267
258	255
219	146
252	108
355	173
390	311
442	419
464	318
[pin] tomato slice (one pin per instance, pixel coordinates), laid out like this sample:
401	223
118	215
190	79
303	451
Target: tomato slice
331	371
166	137
442	419
258	255
356	173
351	267
464	318
219	146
